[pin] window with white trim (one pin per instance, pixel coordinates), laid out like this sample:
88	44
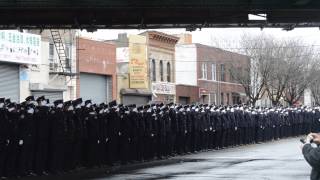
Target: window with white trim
213	71
204	71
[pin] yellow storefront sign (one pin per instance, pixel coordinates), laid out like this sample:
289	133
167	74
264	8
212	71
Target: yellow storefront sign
138	67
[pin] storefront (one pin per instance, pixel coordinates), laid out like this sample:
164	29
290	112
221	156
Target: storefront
163	92
97	88
9	81
16	50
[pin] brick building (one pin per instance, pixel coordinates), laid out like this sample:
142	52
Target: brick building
159	53
97	69
208	68
161	56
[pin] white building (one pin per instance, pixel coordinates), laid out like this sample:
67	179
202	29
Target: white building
29	65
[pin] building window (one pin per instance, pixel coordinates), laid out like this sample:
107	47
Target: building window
68	51
222	71
213	72
228	98
168	72
222	99
153	66
161	71
68	56
204	71
51	51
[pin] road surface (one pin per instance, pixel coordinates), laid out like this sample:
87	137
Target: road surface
277	160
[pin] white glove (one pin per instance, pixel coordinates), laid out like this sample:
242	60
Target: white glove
309	138
20	142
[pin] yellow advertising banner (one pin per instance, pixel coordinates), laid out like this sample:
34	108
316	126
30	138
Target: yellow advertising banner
138	66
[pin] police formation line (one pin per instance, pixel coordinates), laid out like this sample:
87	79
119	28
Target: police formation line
37	138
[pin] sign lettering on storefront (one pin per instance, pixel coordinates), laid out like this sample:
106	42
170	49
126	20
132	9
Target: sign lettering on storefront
164	88
20	47
138	62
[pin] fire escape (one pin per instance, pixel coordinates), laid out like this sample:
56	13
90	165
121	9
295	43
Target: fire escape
63	66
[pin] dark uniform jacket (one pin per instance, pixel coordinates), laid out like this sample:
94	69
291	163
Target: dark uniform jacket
312	156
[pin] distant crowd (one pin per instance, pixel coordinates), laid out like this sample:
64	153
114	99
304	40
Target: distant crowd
39	139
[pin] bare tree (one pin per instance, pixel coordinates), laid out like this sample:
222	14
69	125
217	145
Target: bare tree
302	64
315	88
280	68
253	77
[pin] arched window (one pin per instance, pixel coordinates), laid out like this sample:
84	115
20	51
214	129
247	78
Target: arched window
153	66
168	72
161	71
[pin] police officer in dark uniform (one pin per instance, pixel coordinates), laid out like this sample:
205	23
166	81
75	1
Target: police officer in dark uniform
79	133
57	135
69	116
27	132
141	133
113	132
4	136
93	135
42	135
14	115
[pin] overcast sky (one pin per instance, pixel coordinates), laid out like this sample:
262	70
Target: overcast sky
226	38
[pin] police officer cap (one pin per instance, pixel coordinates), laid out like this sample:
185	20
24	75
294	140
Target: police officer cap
170	104
102	105
10	105
67	103
2	100
77	101
165	108
7	101
139	108
56	102
87	102
30	98
146	106
41	98
112	103
131	105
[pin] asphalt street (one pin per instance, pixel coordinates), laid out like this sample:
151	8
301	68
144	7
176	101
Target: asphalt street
277	160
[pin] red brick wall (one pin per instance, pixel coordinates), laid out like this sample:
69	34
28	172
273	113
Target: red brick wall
211	55
187	91
98	58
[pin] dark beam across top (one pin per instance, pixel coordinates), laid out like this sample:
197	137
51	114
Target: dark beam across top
152	14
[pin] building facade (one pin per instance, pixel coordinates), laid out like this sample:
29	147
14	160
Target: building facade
55	77
145	67
161	56
31	62
97	70
208	68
